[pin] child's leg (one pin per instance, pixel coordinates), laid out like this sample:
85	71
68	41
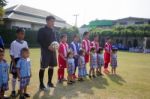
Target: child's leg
90	71
14	82
93	71
60	73
2	94
114	70
100	70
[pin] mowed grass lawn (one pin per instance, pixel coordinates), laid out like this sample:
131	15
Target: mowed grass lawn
132	81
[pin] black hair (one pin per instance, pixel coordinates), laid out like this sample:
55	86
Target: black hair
85	33
107	38
114	49
99	50
24	50
92	49
62	36
81	51
69	53
50	17
2	50
75	35
95	35
20	30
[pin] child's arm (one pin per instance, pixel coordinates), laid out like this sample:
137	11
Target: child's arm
18	73
80	63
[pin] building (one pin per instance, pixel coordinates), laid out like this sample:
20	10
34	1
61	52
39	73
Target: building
132	21
29	18
101	24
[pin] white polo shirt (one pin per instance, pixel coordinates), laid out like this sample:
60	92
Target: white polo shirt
16	47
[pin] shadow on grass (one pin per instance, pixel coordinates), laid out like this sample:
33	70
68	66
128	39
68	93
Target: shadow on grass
75	90
117	79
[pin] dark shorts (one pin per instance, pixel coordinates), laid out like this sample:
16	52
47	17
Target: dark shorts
24	82
48	58
4	87
13	69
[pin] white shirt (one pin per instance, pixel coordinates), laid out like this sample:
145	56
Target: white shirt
16	47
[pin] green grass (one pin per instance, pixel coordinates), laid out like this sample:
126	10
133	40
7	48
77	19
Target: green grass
132	82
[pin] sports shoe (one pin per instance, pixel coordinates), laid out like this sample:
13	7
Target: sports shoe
42	87
50	85
13	94
27	95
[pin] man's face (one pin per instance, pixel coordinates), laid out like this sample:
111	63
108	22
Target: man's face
50	23
87	36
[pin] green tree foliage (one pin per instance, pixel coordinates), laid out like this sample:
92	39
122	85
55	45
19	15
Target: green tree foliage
2	4
132	30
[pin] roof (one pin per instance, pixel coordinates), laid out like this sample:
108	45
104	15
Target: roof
96	23
133	18
29	14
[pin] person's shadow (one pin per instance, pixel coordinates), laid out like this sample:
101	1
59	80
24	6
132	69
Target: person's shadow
75	90
117	79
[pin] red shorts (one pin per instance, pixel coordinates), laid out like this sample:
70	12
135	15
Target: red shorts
87	58
61	62
106	57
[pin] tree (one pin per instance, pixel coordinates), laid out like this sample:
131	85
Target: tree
2	4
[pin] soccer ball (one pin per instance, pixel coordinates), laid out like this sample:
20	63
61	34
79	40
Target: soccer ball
55	45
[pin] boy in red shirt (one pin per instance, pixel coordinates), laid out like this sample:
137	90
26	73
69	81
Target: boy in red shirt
62	55
86	46
107	53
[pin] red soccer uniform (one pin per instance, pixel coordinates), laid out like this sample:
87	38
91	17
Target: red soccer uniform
63	49
108	48
86	46
95	44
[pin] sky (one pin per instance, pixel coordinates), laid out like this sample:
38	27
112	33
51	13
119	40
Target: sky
89	9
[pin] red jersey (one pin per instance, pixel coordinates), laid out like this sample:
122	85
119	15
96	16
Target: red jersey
86	46
108	47
63	49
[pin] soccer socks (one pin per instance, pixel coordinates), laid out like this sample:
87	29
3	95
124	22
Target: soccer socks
41	76
60	73
50	75
13	84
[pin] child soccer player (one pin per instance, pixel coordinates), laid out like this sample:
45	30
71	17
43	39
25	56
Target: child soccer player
86	47
93	62
62	55
108	48
70	67
81	65
114	60
4	76
24	72
15	49
75	46
100	60
95	43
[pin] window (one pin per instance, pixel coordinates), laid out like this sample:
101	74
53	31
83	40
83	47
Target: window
139	22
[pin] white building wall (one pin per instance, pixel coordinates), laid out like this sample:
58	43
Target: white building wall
20	24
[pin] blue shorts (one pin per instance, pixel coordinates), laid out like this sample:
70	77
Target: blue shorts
24	82
70	70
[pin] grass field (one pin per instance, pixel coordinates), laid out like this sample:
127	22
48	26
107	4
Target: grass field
132	81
